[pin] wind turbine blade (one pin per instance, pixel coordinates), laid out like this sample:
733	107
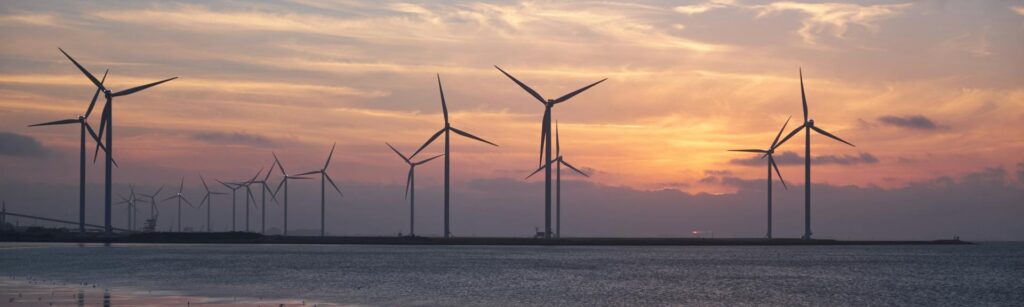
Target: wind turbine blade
523	85
803	97
181	187
96	95
204	183
57	122
170	198
466	134
396	151
333	185
430	140
576	92
205	199
428	159
279	185
573	167
408	181
84	71
158	191
256	176
819	130
187	202
444	105
776	141
269	172
297	177
140	87
309	173
224	184
330	155
777	172
272	195
248	192
791	134
750	150
535	172
278	163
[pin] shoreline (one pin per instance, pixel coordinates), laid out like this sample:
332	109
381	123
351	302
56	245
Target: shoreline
255	238
24	291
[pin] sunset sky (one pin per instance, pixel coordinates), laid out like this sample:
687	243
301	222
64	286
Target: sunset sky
925	89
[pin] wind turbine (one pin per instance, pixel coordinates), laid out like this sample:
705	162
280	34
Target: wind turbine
181	198
152	201
410	186
323	177
559	161
129	203
770	153
447	154
83	127
807	127
284	183
107	121
234	188
208	200
545	140
263	197
248	192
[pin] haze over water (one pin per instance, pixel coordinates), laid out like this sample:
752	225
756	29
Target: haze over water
985	274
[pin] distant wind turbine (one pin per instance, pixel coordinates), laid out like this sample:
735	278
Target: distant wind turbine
807	127
83	127
559	161
181	198
152	202
234	188
770	153
263	197
324	177
410	186
545	139
129	203
447	154
107	121
208	200
248	192
284	183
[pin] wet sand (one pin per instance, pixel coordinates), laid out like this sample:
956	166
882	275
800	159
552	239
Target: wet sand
43	293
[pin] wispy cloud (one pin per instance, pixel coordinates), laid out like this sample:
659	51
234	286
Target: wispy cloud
911	121
792	158
834	19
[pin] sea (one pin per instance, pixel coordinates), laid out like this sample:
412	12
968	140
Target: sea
985	274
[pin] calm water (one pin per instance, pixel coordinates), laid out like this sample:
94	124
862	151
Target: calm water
986	274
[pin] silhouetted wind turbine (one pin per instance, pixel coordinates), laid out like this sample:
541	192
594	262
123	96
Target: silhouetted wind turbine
447	154
181	198
410	186
208	200
248	192
807	127
263	198
545	140
559	161
234	188
129	203
770	153
152	201
107	121
284	183
324	176
83	127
